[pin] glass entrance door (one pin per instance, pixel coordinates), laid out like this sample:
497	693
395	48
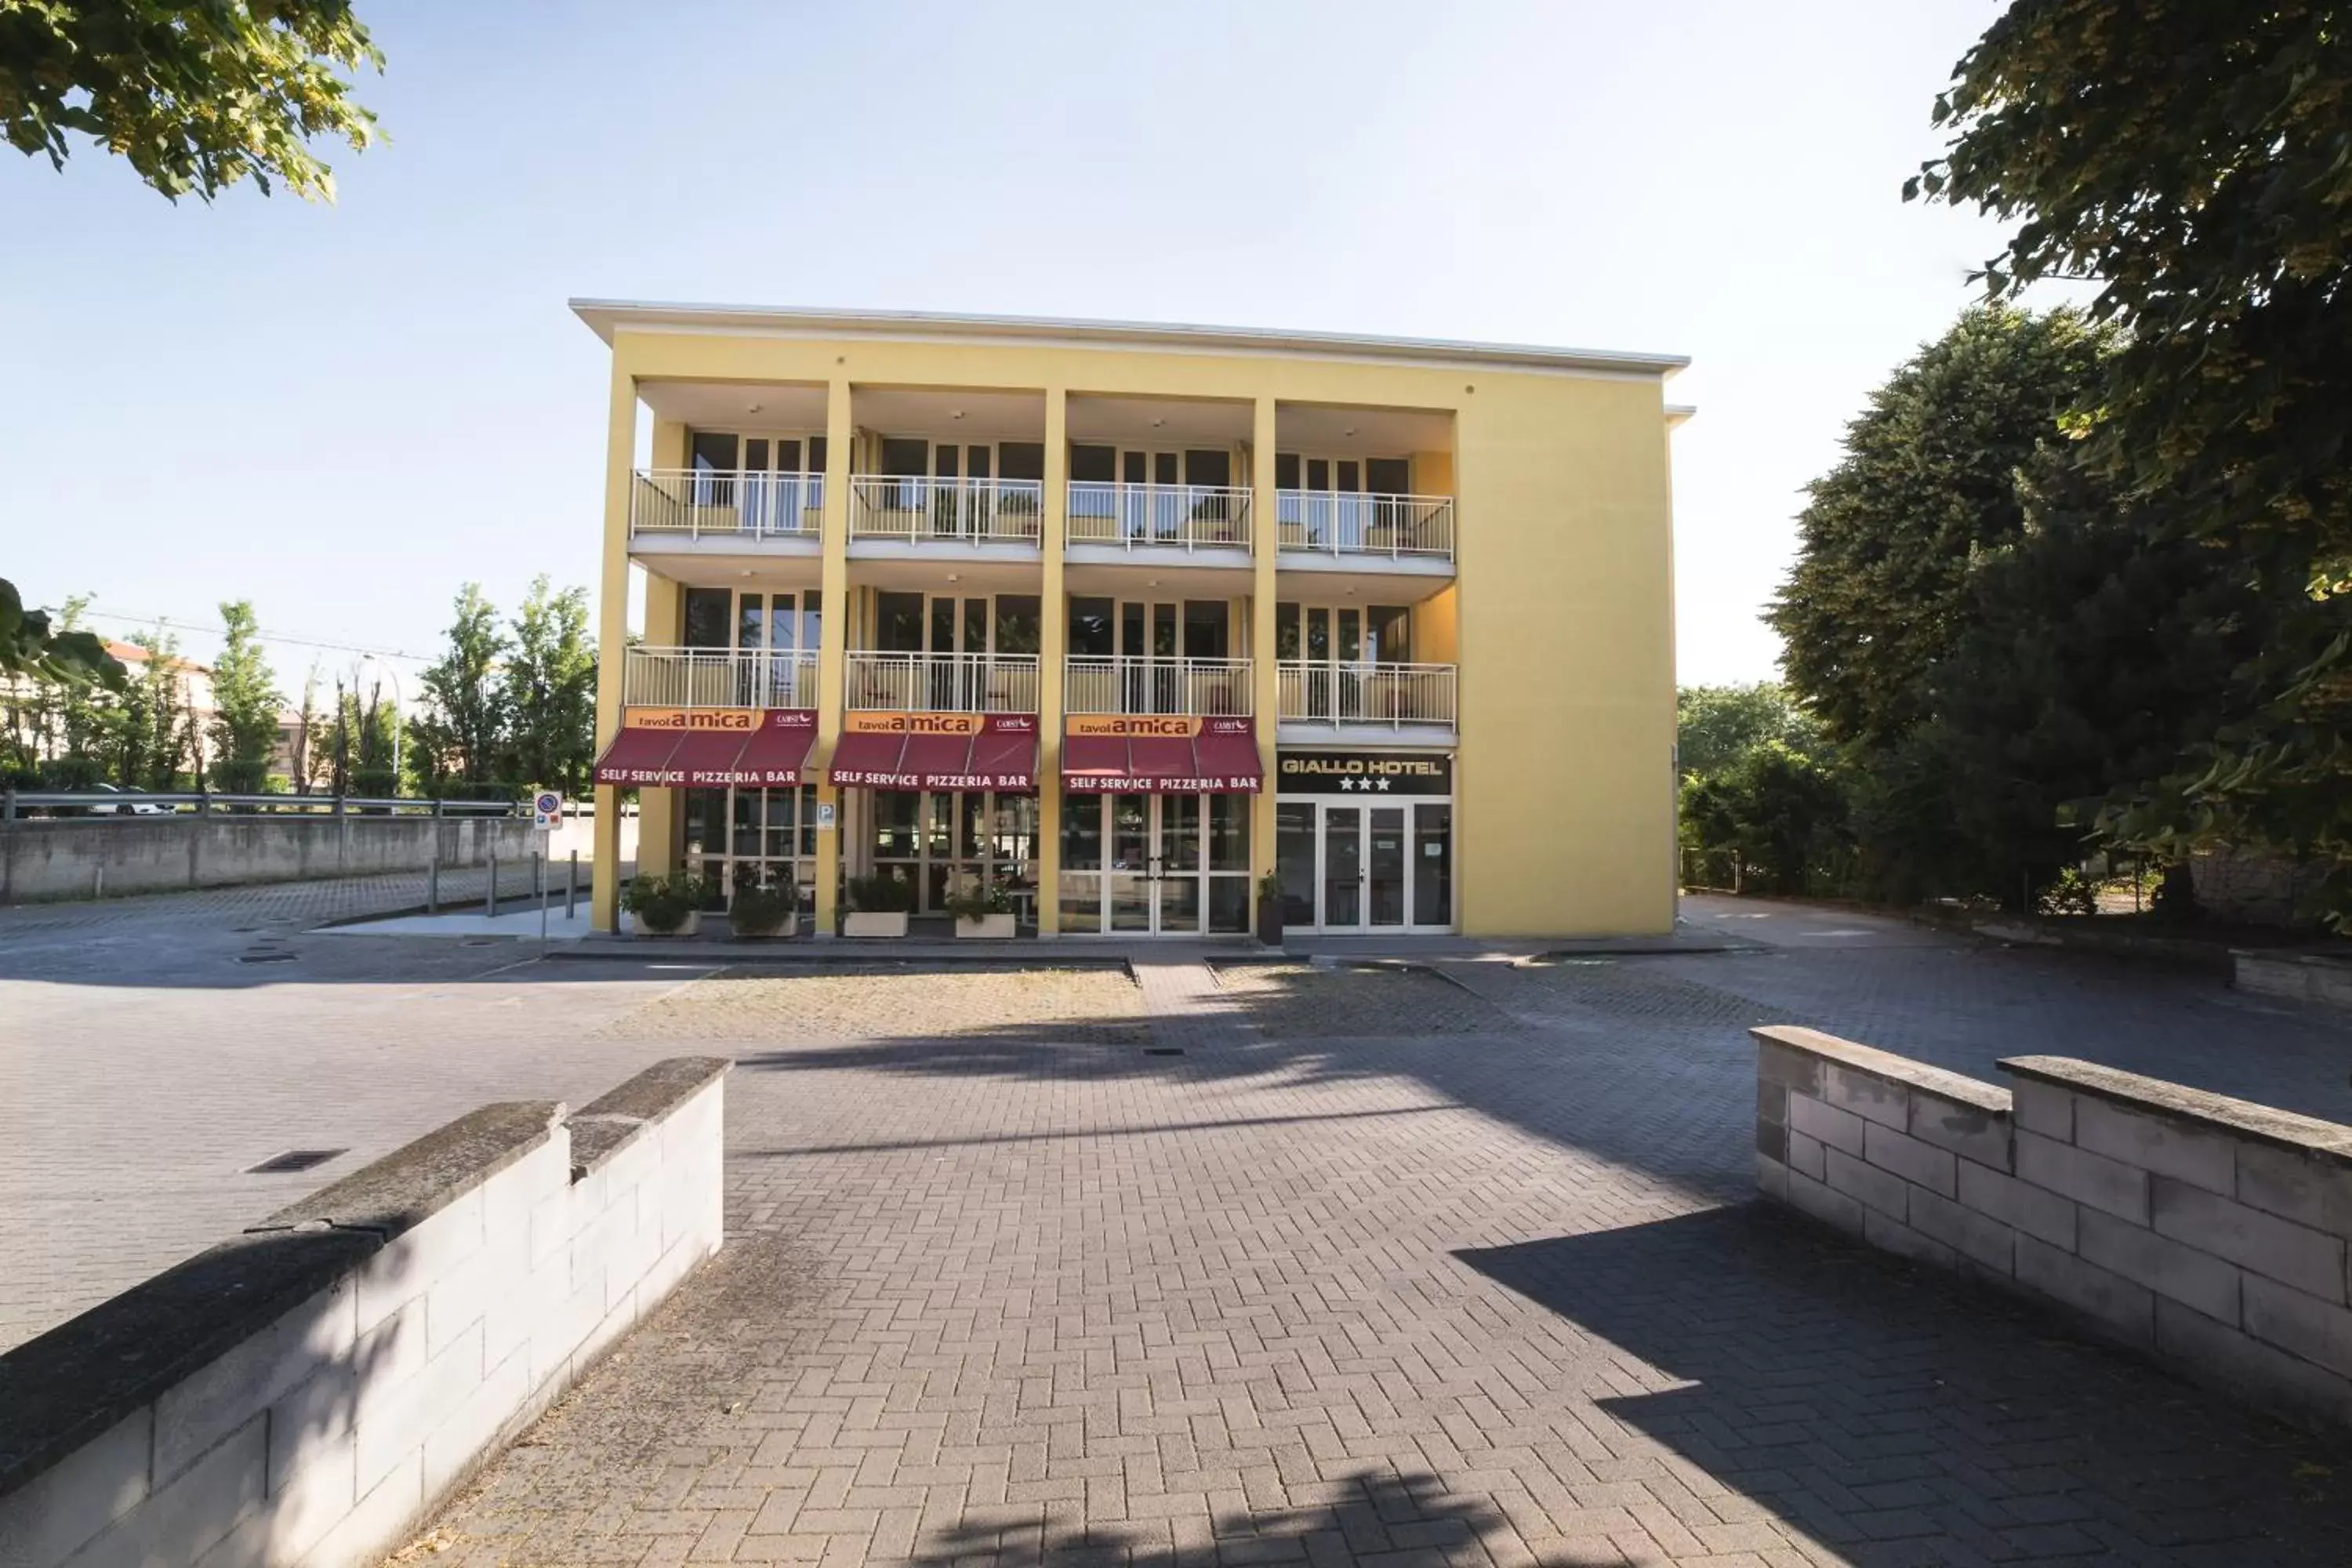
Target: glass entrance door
1348	868
1155	864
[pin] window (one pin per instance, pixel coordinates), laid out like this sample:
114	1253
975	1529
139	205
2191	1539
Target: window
899	622
906	457
1021	459
1286	631
1017	617
708	611
1090	627
1094	465
711	449
1285	471
1202	466
1206	623
1391	634
1388	475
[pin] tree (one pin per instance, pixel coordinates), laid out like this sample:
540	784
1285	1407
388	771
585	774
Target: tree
1714	725
149	736
245	701
464	733
1782	813
198	94
550	690
2191	159
31	651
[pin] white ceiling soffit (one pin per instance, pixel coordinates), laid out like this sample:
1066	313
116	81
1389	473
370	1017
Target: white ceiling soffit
723	405
1162	422
1309	427
974	415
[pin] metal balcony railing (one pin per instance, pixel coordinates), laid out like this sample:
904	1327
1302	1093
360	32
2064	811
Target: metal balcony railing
943	682
719	678
1215	688
1398	527
1189	516
1395	695
699	504
967	512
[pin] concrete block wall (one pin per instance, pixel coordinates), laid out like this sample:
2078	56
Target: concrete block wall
110	856
2207	1232
307	1392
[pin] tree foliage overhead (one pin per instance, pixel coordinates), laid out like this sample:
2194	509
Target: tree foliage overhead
1928	484
1715	725
246	703
2195	161
461	737
32	649
550	688
195	94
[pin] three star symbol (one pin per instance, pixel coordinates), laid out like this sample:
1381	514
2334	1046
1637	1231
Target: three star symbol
1368	785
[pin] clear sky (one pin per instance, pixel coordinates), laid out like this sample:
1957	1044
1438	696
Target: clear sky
343	411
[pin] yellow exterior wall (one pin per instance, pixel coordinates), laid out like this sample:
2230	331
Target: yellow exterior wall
1560	616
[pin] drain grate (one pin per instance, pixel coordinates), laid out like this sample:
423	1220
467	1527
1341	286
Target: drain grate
1163	1050
292	1160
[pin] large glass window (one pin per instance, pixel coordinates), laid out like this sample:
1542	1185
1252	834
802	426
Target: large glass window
710	449
1432	865
708	611
742	838
1207	628
1021	459
1017	617
1090	627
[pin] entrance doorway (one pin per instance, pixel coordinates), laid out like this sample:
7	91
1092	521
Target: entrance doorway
1353	866
1151	865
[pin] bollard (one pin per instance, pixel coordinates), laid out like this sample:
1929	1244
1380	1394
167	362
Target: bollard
572	886
539	875
490	893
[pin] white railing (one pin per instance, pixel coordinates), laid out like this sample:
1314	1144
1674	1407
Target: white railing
1415	527
1392	694
1189	516
719	678
968	511
943	682
1215	688
698	503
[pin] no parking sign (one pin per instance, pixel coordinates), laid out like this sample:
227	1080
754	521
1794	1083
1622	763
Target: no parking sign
546	810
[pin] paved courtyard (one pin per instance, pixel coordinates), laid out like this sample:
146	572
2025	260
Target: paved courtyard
1250	1263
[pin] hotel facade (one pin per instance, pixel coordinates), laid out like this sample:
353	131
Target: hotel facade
1120	618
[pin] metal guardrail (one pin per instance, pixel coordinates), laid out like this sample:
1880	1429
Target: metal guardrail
1396	695
947	510
719	678
1189	516
698	503
943	682
1344	523
1218	688
15	803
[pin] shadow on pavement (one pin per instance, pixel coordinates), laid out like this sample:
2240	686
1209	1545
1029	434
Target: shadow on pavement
1900	1415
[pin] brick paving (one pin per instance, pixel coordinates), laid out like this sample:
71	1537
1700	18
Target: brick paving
1326	1267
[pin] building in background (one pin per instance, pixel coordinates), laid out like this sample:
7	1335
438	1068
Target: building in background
1122	618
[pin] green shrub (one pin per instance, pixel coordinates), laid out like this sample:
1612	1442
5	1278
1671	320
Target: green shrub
978	903
883	893
662	903
762	910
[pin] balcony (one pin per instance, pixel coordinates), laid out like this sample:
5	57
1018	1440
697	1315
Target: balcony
1212	687
1354	531
946	511
1146	516
668	506
1400	700
943	682
718	678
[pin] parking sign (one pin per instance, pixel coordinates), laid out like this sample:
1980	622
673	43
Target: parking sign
546	810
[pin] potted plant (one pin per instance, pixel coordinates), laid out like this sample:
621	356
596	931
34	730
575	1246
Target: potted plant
764	909
878	905
984	912
1269	909
666	906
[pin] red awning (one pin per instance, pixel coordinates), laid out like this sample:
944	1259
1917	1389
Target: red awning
1225	751
1006	758
638	757
1221	760
1087	757
869	759
937	762
705	759
778	749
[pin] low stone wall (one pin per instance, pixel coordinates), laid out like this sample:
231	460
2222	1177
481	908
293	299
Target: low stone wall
2302	976
2208	1232
307	1392
107	857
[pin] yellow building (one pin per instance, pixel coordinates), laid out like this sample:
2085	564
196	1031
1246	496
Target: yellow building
1121	617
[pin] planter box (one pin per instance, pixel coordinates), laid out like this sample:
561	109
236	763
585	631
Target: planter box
1269	922
999	927
861	924
687	927
789	926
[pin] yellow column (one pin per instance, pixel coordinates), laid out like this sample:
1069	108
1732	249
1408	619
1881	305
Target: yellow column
1053	642
659	820
1264	685
833	643
612	640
